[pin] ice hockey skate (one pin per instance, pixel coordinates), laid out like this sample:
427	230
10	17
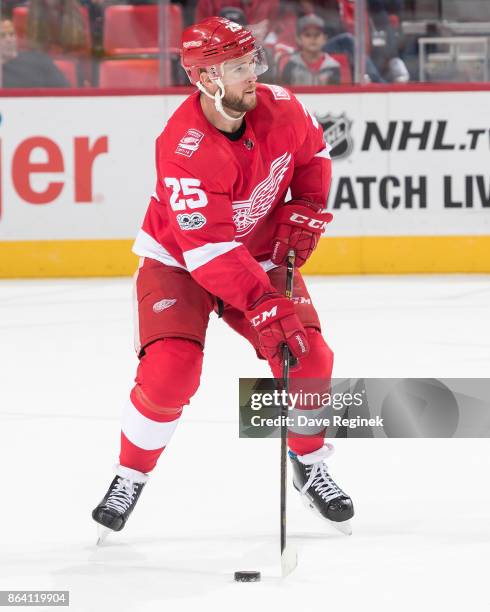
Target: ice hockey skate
318	490
115	508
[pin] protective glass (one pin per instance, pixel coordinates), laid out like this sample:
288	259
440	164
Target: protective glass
242	68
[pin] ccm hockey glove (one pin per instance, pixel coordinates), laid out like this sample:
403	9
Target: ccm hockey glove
276	323
299	228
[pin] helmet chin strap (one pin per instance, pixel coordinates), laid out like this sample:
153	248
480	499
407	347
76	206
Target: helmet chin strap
218	96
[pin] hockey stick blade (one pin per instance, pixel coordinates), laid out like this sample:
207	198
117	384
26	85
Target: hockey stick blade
289	560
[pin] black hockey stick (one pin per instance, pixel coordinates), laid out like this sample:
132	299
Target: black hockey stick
289	558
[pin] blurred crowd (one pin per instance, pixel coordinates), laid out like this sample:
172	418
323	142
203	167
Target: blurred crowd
107	43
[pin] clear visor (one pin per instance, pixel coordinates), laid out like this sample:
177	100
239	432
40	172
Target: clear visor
245	67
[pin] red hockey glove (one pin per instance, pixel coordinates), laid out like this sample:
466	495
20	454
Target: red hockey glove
299	228
276	323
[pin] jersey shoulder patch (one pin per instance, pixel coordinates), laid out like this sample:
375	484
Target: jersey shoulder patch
278	93
193	148
189	143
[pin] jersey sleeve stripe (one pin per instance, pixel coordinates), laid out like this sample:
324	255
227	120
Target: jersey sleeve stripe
267	265
324	152
146	246
195	258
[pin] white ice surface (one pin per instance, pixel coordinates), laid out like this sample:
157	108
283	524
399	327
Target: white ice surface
422	528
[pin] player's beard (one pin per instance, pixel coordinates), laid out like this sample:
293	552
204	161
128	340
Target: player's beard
240	104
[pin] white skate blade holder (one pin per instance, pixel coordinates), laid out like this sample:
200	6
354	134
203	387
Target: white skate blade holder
344	527
102	533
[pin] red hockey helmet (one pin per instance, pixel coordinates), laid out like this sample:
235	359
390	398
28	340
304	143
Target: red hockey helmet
213	42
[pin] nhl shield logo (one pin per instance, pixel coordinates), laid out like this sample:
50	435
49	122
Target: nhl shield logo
337	133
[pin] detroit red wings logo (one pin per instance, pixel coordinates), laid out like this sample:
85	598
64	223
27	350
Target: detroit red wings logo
246	213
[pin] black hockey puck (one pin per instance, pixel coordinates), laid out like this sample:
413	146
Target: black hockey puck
247	576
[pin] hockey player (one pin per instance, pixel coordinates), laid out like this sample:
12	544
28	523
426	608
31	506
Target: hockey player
215	237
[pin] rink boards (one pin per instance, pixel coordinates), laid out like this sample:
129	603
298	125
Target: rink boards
410	193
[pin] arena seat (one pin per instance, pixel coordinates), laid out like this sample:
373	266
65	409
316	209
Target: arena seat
345	71
69	70
133	30
19	19
20	16
133	73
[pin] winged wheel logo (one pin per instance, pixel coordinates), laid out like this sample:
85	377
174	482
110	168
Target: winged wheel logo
246	213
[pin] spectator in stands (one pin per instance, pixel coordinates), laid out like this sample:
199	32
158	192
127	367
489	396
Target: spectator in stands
391	7
25	68
7	6
340	41
292	10
234	13
384	21
381	36
259	14
310	65
238	16
58	27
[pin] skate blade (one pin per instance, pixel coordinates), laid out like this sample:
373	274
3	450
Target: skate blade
289	560
102	533
343	526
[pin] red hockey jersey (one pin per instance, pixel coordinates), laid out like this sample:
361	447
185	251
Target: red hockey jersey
213	212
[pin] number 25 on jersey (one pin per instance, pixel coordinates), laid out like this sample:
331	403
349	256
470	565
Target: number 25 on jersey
189	187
